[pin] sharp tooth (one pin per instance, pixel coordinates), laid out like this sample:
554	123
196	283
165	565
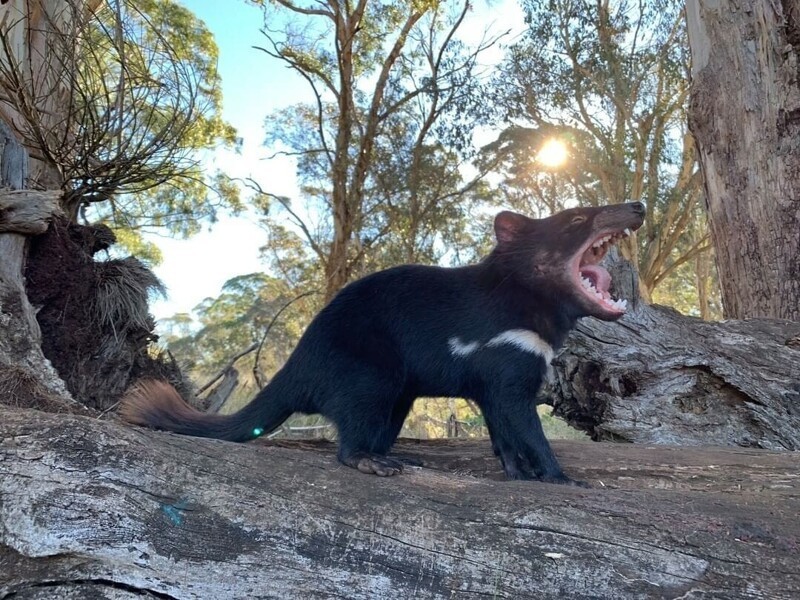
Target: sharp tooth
624	304
627	232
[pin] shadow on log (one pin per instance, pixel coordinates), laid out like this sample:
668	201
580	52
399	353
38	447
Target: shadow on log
89	508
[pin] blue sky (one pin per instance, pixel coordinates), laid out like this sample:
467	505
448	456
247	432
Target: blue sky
253	86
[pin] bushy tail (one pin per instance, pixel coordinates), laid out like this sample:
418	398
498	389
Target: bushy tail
157	404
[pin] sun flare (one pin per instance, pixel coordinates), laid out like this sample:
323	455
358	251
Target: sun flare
552	154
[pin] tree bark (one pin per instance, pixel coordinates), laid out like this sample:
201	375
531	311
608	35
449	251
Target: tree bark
745	116
26	376
89	507
658	377
28	212
29	28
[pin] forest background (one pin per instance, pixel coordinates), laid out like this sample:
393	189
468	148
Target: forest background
448	114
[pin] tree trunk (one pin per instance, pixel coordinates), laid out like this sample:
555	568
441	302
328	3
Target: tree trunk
702	273
29	28
92	508
745	116
26	376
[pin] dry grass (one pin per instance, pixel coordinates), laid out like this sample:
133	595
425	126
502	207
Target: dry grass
123	289
19	388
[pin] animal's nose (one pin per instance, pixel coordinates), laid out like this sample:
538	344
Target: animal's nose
637	207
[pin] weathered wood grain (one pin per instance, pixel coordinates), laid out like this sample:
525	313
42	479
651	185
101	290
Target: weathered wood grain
656	376
28	212
125	512
25	374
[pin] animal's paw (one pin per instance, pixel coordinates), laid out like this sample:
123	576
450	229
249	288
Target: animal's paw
380	466
373	464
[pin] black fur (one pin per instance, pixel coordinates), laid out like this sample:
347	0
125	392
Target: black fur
387	339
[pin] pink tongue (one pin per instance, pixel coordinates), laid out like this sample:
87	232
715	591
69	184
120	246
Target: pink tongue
598	275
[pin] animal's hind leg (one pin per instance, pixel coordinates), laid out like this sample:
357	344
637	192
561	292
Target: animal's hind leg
399	413
367	428
362	445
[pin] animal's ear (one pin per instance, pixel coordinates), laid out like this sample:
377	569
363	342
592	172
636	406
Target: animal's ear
508	226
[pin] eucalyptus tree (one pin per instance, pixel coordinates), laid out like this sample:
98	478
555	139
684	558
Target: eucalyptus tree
744	115
609	79
386	80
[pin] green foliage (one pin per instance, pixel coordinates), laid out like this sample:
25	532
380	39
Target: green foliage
146	103
130	243
610	80
234	321
381	152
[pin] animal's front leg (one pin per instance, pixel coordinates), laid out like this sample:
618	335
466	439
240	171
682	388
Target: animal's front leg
518	438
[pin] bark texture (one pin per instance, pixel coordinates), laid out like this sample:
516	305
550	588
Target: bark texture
89	508
658	377
28	212
26	376
745	116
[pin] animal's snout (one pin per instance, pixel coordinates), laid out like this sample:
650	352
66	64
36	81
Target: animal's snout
637	207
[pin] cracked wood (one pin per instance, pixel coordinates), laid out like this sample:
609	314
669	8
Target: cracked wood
125	512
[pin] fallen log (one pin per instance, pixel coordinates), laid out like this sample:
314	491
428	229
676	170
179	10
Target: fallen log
91	508
659	377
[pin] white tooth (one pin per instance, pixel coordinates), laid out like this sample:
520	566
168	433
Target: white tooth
627	232
624	304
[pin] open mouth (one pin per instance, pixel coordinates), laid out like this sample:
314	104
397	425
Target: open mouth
594	280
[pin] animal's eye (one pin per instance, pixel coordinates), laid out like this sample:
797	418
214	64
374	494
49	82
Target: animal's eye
577	219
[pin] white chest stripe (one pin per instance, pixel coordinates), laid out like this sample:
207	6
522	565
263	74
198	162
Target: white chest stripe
524	339
460	349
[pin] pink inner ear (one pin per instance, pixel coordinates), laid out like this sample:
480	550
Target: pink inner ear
508	225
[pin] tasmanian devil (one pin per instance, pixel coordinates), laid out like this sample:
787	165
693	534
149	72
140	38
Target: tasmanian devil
486	331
